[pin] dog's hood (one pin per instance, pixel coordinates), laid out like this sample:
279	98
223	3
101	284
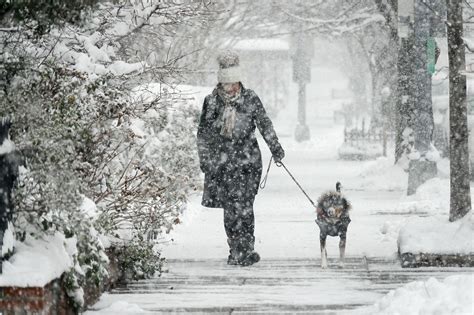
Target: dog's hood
333	199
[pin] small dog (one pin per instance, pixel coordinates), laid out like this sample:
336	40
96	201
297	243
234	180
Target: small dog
333	219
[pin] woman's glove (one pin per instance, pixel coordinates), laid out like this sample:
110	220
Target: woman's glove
278	154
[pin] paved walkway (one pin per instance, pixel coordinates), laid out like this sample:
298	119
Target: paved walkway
273	286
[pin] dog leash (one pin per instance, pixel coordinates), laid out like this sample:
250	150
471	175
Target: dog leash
264	181
280	164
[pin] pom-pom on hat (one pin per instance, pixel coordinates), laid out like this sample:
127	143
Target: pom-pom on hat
229	68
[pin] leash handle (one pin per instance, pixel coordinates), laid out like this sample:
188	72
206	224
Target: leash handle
279	164
264	181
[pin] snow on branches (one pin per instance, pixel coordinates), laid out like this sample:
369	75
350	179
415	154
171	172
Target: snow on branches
86	138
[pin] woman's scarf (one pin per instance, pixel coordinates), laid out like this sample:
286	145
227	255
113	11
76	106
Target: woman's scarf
230	113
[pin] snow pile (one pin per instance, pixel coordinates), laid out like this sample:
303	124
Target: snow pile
437	235
431	198
37	262
116	308
383	174
453	295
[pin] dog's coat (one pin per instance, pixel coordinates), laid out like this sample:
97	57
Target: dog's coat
333	220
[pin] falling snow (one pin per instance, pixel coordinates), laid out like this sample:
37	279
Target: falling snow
190	141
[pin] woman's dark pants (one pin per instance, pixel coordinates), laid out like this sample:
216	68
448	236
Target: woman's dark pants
239	223
241	186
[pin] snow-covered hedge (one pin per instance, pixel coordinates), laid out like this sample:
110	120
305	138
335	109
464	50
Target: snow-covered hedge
82	137
98	161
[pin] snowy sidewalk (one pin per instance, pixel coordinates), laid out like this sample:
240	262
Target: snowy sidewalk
273	286
288	279
284	218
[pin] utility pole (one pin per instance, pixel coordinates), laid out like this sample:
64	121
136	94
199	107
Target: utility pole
302	47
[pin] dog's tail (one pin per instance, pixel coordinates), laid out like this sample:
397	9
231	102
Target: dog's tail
338	187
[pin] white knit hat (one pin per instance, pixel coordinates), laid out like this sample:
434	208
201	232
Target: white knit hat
229	68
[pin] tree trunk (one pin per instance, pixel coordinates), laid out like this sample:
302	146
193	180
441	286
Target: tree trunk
389	10
422	168
460	202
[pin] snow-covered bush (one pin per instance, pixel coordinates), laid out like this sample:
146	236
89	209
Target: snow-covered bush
52	130
83	137
139	261
82	134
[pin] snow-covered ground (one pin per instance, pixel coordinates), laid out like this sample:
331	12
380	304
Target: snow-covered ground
288	278
448	296
285	224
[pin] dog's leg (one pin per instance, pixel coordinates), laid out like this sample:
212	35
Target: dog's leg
324	255
342	252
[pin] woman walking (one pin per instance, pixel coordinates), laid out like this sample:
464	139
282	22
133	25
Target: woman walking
230	156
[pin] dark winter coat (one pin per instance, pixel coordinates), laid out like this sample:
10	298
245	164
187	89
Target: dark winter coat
233	167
